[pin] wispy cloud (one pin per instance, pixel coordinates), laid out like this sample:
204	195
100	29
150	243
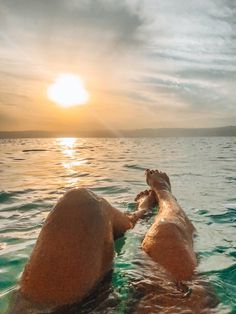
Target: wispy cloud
147	62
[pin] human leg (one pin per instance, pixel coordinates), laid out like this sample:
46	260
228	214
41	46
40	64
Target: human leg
169	240
73	251
75	247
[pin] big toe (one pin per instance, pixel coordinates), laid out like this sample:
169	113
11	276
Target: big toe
148	174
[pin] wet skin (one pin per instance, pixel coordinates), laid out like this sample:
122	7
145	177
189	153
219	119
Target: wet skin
169	241
75	247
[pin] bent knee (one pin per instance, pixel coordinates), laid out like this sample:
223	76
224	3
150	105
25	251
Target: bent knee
80	197
81	193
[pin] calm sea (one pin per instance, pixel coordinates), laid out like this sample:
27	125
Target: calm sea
36	172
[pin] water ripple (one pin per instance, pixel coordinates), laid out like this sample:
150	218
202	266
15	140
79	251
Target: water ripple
202	174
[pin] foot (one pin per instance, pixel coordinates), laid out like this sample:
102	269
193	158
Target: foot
146	200
158	180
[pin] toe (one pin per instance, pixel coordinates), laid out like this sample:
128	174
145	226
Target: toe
137	197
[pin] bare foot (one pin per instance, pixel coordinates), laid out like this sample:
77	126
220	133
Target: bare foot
158	180
146	200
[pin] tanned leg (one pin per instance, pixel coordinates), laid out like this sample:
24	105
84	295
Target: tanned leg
75	247
121	221
169	240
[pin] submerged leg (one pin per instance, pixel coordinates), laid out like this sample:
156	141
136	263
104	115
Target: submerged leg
169	240
75	248
73	251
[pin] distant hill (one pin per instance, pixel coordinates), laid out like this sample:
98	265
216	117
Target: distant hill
162	132
179	132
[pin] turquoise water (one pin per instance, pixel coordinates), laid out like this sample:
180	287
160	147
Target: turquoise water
36	172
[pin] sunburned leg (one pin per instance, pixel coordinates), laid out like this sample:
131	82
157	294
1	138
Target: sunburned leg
169	240
75	247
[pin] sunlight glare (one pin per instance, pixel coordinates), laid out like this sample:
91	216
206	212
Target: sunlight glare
67	142
68	90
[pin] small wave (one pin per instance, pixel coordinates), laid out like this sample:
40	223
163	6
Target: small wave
228	274
75	175
233	199
228	216
231	206
231	179
202	212
227	146
219	249
135	167
186	174
34	150
110	189
83	147
5	196
22	207
18	159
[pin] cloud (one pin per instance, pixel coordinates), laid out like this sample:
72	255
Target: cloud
164	58
80	20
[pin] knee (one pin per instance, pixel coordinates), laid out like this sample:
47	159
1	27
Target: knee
76	192
81	195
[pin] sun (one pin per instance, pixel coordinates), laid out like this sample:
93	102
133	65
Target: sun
68	90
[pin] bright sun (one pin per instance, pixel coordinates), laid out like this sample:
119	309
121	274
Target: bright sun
68	90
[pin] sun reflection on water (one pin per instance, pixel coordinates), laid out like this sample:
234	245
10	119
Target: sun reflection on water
72	160
67	145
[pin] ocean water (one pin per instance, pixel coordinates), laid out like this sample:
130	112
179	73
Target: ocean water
36	172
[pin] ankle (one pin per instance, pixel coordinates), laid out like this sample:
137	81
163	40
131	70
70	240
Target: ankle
164	195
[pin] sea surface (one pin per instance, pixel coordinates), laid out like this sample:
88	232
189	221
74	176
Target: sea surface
36	172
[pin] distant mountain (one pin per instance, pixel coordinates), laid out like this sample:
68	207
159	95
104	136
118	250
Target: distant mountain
179	132
162	132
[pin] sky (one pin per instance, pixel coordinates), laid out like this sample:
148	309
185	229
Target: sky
145	63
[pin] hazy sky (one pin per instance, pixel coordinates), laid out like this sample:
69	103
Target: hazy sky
146	63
